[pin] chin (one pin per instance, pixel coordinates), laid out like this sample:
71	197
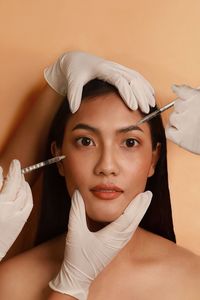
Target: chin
105	211
107	216
98	219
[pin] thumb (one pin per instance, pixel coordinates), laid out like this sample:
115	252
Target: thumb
183	91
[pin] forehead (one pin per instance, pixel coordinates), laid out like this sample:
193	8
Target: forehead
106	112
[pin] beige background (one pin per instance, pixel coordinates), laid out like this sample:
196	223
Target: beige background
158	38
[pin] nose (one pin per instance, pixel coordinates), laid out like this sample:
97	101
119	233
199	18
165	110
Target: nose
107	164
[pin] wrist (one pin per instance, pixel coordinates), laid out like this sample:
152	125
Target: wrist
75	284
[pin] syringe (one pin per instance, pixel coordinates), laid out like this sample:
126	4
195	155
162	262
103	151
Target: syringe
43	164
155	113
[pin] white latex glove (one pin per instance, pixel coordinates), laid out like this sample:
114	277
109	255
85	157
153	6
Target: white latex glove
86	252
72	70
15	205
184	122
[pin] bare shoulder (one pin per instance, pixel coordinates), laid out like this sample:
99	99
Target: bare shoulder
174	255
187	266
177	268
149	267
26	276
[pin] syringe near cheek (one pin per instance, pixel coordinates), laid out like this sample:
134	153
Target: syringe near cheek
43	164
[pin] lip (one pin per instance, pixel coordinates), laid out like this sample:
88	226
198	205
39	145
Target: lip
106	191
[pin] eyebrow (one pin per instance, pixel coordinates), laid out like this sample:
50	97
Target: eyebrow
96	130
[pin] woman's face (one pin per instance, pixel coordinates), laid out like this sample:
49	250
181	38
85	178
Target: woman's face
107	159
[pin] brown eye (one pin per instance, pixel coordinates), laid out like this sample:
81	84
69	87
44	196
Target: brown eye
84	141
131	142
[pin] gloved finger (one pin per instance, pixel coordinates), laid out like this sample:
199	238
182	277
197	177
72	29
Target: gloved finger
142	100
173	134
19	208
74	94
114	74
124	90
10	207
1	178
129	74
135	210
142	92
21	196
184	91
132	215
139	85
143	95
12	181
150	96
77	212
27	202
75	90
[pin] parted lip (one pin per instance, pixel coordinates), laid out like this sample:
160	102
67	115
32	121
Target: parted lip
106	188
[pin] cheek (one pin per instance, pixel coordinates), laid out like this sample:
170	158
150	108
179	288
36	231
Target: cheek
134	169
136	173
138	169
75	172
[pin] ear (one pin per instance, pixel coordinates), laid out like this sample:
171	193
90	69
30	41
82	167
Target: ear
56	152
154	160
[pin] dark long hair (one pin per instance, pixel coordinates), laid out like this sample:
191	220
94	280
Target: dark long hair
56	201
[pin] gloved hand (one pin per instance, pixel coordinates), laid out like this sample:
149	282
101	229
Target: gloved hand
86	252
15	205
184	122
72	70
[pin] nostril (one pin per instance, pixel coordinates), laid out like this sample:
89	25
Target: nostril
107	164
106	171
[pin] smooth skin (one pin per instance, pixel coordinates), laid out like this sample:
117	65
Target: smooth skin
106	155
101	152
148	267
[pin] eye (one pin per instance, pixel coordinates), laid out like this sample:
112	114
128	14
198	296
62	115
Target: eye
131	142
84	141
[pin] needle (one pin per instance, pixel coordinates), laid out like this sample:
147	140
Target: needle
43	164
155	113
